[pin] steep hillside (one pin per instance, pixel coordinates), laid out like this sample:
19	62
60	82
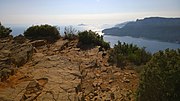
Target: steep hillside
157	28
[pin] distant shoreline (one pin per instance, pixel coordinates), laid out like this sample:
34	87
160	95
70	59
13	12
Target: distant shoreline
142	38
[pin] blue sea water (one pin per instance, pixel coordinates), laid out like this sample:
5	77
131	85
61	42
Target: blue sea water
150	45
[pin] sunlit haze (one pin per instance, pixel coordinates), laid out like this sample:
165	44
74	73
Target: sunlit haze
24	12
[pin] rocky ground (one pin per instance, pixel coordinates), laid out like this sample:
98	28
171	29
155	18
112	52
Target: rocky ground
63	72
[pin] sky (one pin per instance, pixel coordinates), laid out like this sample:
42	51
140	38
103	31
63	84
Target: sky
22	12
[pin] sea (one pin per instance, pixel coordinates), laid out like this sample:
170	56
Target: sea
151	46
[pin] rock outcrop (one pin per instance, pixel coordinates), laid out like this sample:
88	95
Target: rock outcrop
63	72
13	54
38	43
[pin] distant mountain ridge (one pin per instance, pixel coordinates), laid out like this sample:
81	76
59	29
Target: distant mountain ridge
156	28
122	24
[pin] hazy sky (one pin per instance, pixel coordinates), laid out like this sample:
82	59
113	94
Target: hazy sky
84	11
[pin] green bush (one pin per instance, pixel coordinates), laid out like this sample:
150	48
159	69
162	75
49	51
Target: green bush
45	32
122	54
4	32
92	38
160	79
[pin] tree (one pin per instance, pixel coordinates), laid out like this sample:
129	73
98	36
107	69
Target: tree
45	32
123	54
160	79
4	32
92	38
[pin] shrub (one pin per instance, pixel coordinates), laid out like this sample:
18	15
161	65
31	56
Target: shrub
92	38
160	79
70	33
45	32
122	54
4	32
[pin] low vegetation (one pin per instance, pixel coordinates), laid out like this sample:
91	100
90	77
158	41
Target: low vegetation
45	32
4	32
92	38
70	33
160	72
160	79
123	54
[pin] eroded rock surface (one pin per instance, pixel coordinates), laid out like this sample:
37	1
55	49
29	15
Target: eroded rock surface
12	55
63	72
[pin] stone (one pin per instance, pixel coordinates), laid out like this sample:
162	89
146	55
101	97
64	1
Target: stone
63	45
88	88
104	87
126	80
34	89
21	54
126	73
38	43
77	49
42	81
14	54
107	65
96	98
97	82
110	81
117	74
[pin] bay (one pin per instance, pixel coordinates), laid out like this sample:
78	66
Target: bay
151	46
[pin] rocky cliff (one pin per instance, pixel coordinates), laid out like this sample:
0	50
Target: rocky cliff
62	72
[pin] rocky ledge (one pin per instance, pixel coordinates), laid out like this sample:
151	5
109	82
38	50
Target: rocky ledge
13	53
62	72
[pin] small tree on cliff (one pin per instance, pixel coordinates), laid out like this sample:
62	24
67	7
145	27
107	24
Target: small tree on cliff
4	32
45	32
92	38
122	54
160	80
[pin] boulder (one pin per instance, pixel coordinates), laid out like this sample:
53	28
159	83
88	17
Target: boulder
34	89
38	43
13	54
21	54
